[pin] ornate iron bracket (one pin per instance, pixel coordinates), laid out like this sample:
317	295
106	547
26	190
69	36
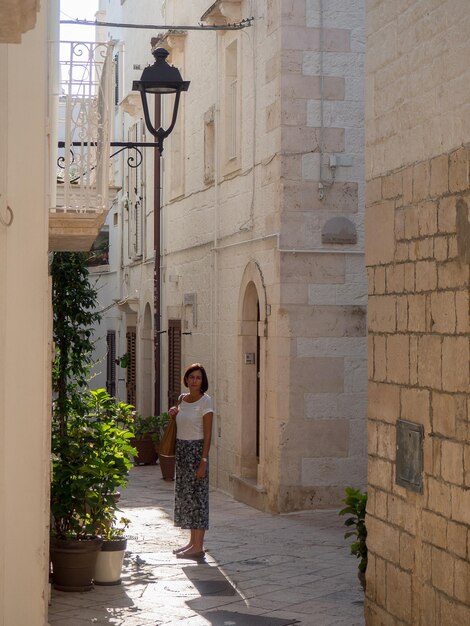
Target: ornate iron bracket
132	161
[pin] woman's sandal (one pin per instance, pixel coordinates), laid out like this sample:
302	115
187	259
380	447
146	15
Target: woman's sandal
190	555
178	550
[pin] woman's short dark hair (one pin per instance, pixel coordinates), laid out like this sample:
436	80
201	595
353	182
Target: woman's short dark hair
193	368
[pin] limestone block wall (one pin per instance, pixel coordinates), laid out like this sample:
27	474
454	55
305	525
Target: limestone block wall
417	254
418	263
417	81
323	315
323	284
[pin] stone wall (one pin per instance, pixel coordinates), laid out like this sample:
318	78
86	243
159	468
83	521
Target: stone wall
417	254
16	18
25	326
323	284
418	257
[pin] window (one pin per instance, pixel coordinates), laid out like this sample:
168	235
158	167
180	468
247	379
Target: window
99	253
135	178
209	146
231	107
175	153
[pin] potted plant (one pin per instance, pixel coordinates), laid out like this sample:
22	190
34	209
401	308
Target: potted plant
74	304
110	559
356	502
74	544
146	433
110	432
91	451
88	467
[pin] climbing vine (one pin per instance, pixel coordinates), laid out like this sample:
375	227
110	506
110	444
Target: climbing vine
74	305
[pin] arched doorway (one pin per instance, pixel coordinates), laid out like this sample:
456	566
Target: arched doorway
250	384
252	350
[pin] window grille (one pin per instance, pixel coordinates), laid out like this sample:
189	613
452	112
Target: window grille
117	83
131	386
111	362
174	361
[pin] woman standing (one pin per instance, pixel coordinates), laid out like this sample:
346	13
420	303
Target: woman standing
193	442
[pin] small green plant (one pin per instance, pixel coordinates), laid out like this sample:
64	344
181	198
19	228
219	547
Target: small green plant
144	425
356	502
117	530
152	425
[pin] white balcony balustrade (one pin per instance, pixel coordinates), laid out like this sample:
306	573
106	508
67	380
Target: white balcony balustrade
85	114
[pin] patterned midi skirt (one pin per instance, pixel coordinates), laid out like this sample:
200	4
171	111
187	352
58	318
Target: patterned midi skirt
191	494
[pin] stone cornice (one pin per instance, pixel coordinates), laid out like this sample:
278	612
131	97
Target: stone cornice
223	12
172	40
16	18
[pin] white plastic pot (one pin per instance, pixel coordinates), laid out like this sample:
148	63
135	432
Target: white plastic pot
109	562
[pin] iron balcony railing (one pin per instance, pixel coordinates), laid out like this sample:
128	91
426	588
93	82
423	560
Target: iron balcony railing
85	114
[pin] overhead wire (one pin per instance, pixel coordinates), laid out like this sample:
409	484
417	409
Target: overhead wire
245	23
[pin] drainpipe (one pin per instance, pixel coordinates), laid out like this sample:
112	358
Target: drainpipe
323	182
157	267
214	316
321	190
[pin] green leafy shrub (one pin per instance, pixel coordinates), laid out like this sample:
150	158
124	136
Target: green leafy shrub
89	464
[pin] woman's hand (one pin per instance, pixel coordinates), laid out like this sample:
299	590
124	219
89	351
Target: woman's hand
201	470
173	412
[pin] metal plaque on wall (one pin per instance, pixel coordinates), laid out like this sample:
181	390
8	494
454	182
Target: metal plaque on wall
409	466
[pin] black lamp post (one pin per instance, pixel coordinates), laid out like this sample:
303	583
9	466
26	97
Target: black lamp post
160	78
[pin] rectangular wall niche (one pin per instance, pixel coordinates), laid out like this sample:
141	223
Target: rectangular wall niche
409	466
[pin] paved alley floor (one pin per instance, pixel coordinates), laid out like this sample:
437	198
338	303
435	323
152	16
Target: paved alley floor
259	570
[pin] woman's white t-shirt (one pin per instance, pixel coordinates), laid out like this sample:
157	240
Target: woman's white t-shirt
189	419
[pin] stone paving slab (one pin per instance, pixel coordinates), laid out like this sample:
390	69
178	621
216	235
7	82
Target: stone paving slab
259	570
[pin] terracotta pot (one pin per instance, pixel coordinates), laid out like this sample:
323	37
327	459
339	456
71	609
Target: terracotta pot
146	453
167	465
73	563
109	562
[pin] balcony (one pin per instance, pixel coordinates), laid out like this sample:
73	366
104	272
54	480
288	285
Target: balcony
85	111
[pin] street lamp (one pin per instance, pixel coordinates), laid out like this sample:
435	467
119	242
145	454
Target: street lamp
160	78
